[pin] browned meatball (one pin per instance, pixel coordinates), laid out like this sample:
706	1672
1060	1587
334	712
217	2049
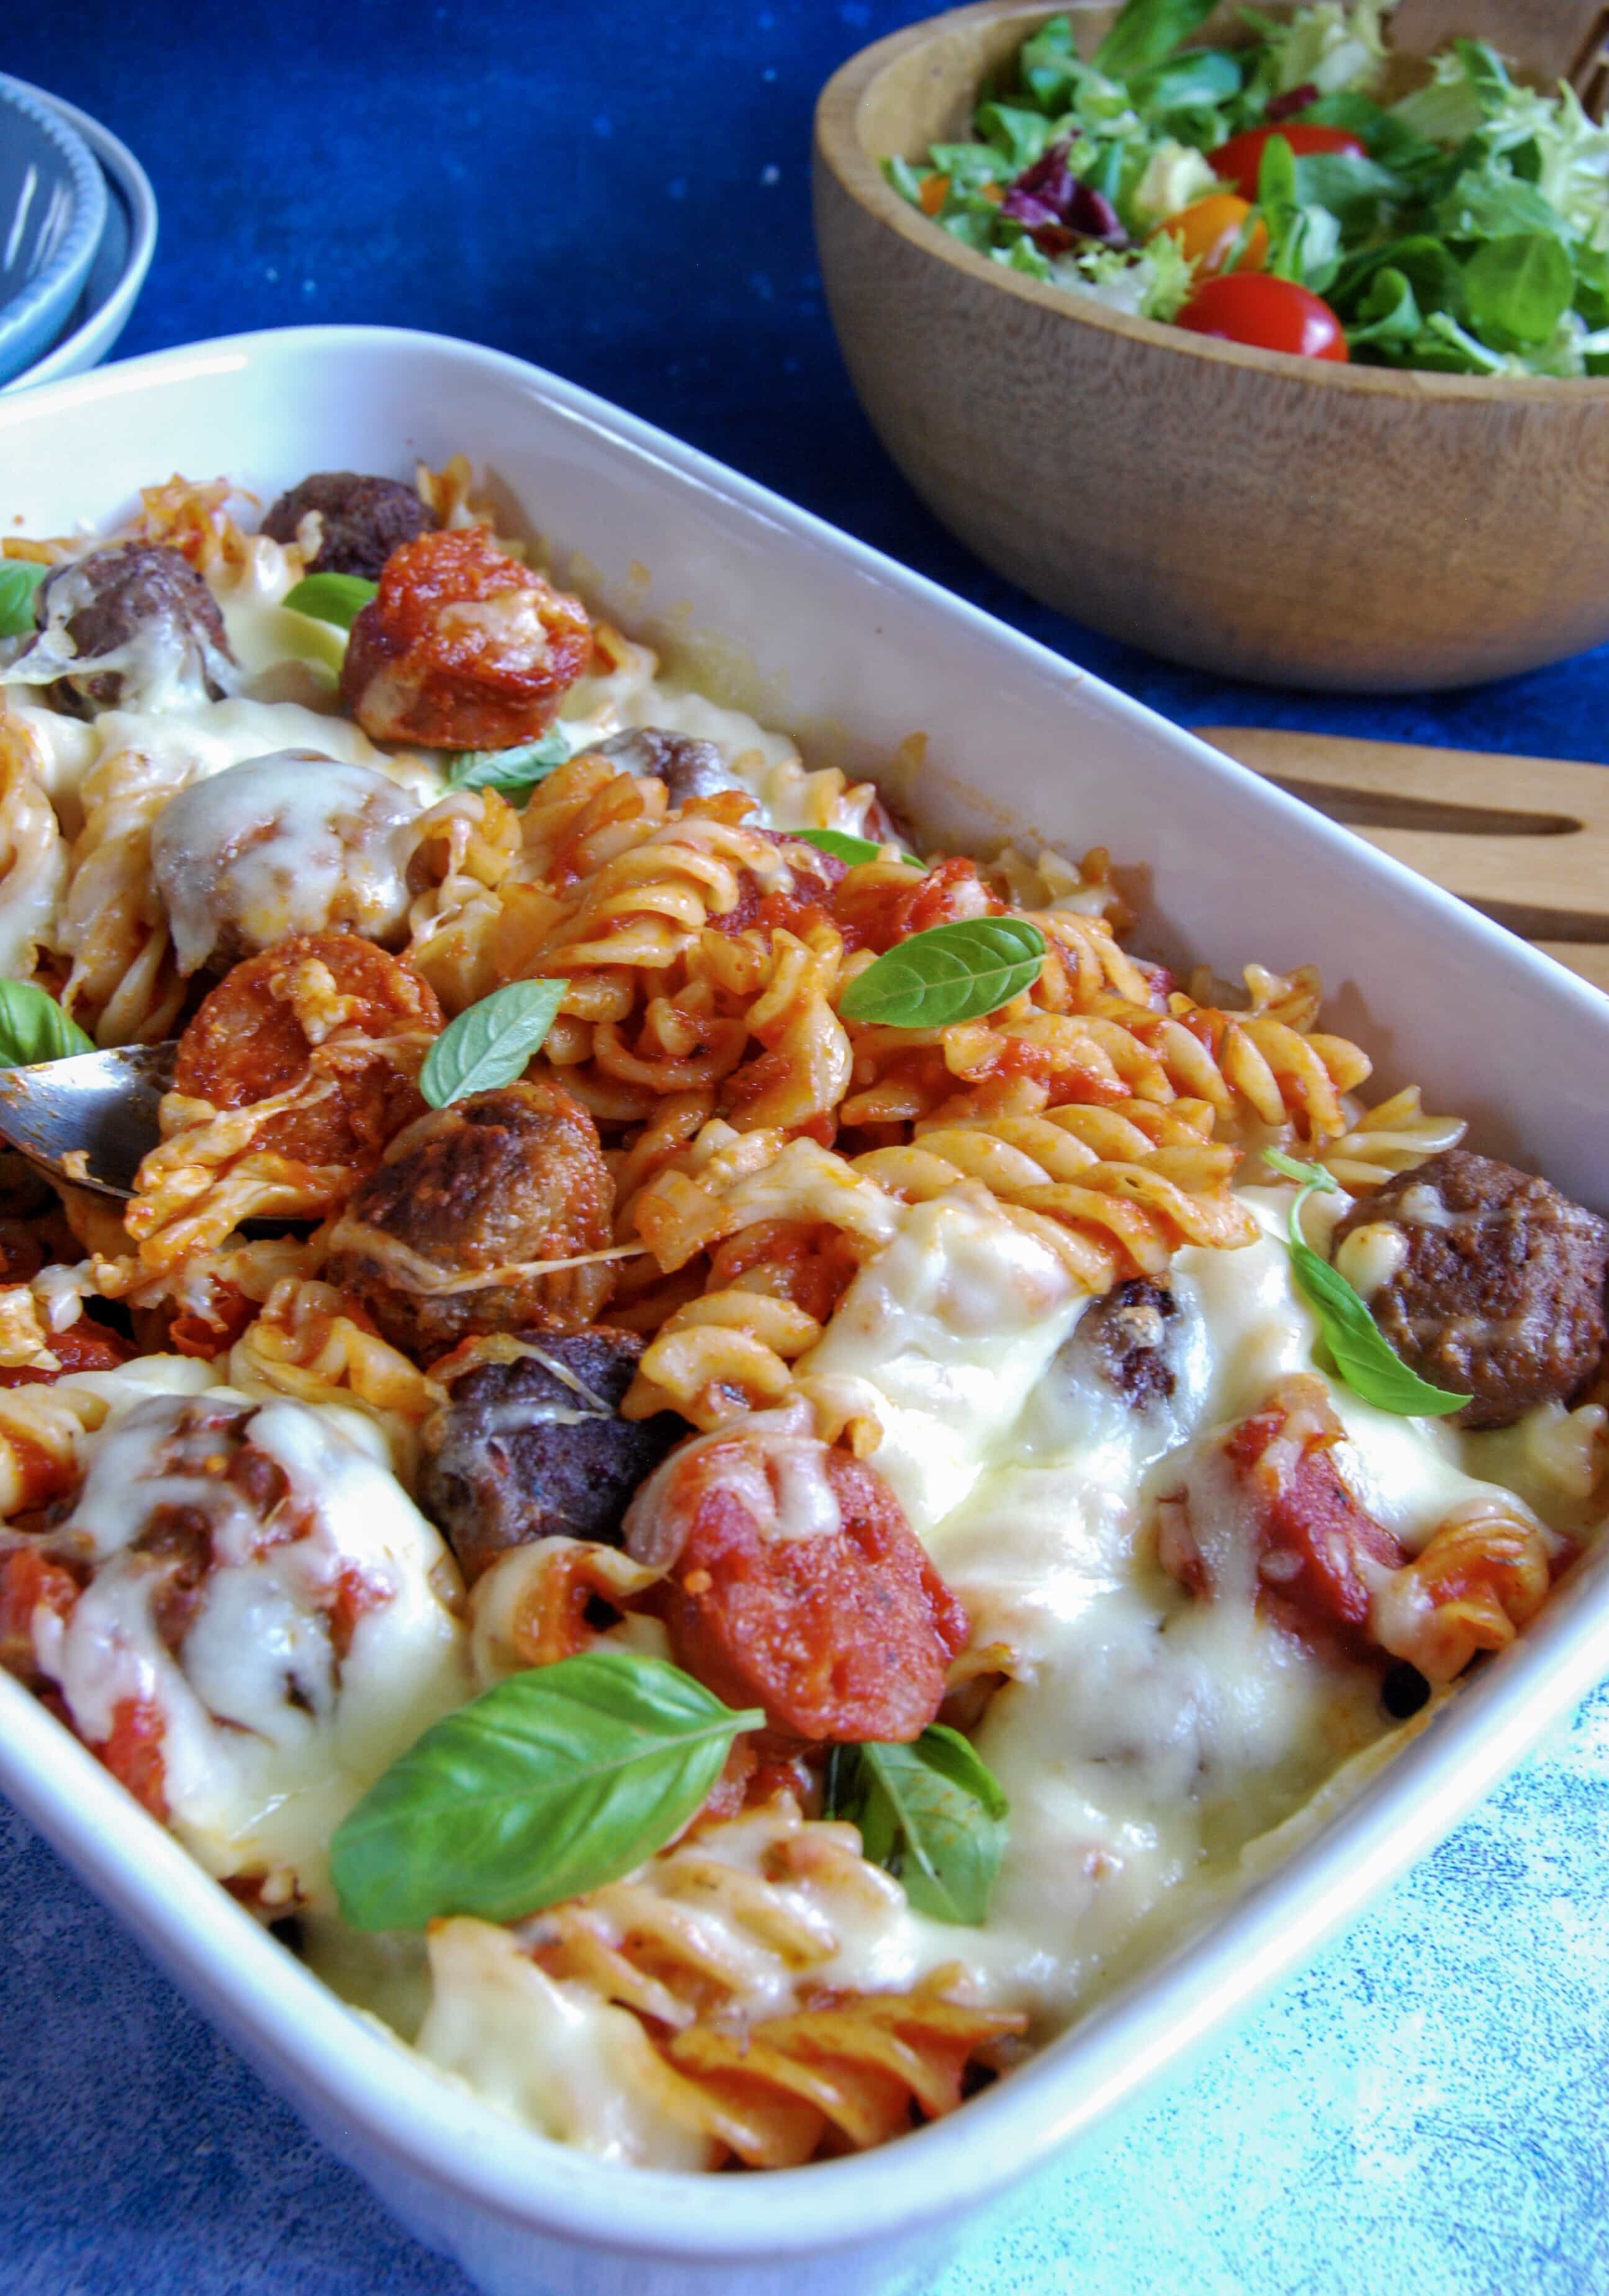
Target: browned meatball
531	1446
143	604
490	1183
1500	1296
689	769
361	520
1127	1339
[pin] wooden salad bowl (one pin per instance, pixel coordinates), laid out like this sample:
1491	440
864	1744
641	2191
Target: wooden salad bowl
1246	512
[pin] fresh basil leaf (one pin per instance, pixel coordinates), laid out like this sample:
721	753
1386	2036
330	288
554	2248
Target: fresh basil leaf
517	771
491	1043
19	580
1315	1179
1146	32
951	973
1361	1353
843	846
1519	289
338	598
552	1783
34	1027
933	1813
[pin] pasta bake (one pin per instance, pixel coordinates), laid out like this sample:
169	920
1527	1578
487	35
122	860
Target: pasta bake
724	1464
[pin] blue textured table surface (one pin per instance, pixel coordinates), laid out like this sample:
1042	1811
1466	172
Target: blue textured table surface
621	194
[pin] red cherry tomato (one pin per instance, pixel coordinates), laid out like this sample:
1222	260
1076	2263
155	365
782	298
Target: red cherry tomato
1239	160
1273	314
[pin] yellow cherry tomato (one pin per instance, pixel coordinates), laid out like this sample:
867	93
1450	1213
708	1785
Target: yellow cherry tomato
1208	230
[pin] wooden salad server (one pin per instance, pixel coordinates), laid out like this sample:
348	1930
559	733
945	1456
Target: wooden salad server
1523	840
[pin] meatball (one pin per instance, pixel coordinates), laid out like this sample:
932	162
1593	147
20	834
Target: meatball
464	648
485	1185
1499	1289
1127	1339
689	769
533	1446
793	1582
293	842
140	624
360	521
255	1035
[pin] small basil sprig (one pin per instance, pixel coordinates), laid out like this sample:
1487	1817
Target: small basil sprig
19	580
1362	1355
515	772
489	1045
551	1782
843	846
34	1027
338	598
951	973
932	1813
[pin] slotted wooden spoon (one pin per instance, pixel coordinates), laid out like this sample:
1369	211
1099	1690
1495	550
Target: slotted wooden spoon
1523	840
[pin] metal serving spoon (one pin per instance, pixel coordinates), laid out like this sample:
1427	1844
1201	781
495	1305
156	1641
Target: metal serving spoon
99	1106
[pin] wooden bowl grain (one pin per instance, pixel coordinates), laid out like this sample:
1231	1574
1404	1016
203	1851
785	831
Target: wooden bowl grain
1264	516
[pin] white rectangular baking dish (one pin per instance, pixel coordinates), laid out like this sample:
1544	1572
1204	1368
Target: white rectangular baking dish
855	655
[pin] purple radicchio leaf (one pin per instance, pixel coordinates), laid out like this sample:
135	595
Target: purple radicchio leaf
1294	100
1058	210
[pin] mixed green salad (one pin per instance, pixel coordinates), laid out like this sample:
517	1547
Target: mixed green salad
1269	194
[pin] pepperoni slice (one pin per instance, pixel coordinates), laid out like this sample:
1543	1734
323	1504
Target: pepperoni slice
797	1585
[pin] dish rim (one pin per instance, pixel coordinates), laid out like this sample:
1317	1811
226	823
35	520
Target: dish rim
447	2138
839	148
58	282
96	333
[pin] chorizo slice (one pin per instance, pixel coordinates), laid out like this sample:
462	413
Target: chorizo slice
794	1582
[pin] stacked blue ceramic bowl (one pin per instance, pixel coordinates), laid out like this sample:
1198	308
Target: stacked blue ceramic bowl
77	225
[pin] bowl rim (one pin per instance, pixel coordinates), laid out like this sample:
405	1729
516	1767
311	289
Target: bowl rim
65	273
839	149
98	329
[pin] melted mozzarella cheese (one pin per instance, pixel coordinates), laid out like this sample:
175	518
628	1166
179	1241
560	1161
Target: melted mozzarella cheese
548	2053
267	1734
190	744
295	842
952	1325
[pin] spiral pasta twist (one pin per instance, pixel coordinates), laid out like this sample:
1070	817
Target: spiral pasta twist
1394	1137
33	853
1107	1215
857	2072
305	1345
1483	1575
